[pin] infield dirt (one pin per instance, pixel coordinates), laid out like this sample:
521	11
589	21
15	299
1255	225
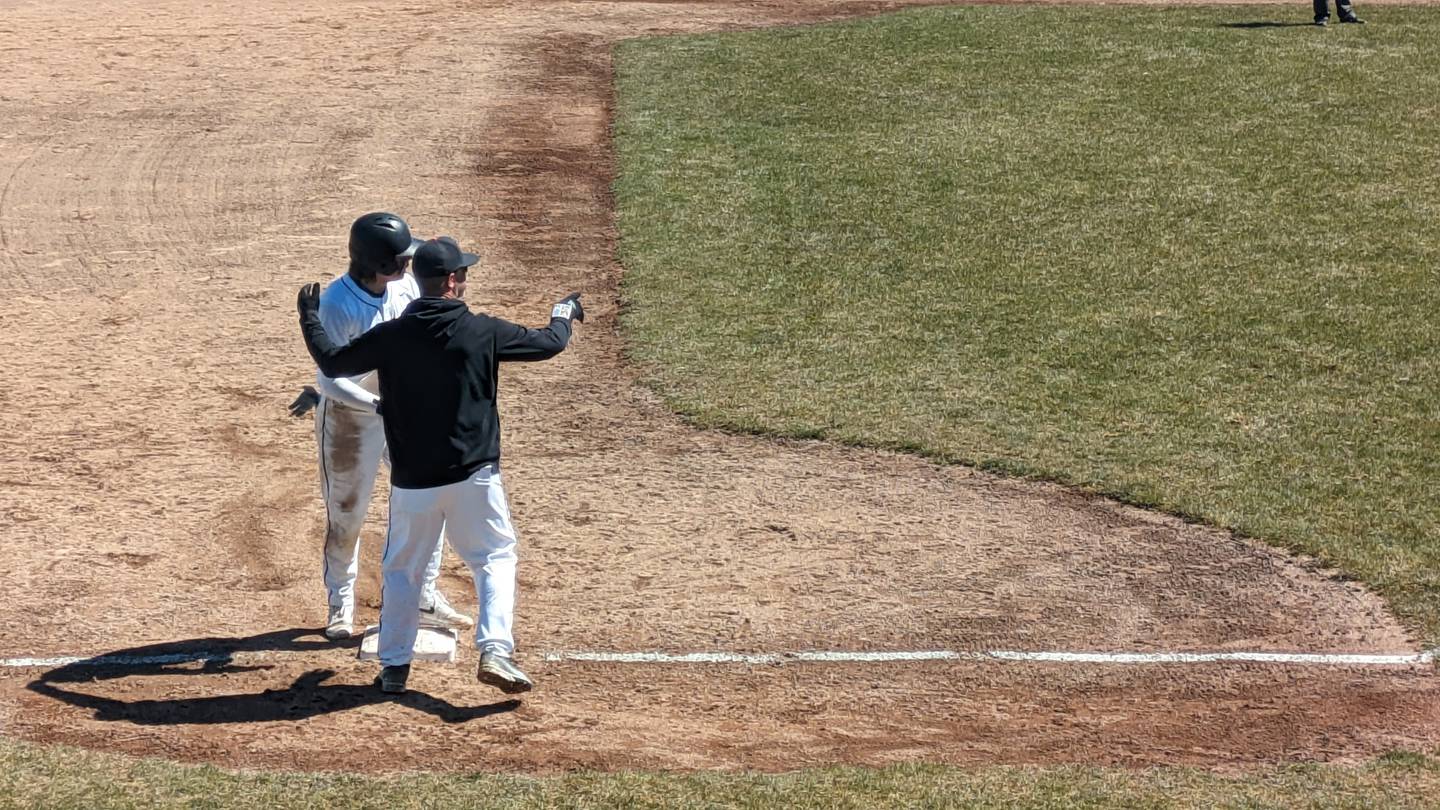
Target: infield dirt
171	175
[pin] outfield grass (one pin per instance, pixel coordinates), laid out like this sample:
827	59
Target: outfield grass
1135	250
33	776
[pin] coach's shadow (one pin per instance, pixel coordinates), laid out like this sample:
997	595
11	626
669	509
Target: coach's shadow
307	696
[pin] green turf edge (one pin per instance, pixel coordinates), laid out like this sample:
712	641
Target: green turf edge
64	777
1410	598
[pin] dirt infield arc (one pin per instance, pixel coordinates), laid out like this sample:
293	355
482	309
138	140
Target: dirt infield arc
168	178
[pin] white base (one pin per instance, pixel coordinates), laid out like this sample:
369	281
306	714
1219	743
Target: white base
431	644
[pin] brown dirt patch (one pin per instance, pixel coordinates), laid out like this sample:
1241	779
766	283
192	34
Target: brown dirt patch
168	179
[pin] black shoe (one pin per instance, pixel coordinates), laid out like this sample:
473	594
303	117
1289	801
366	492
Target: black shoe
1352	19
1323	21
391	680
499	671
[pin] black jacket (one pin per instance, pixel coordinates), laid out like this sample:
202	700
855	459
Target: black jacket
439	366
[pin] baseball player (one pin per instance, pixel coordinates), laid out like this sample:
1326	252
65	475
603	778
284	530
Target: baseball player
439	367
348	428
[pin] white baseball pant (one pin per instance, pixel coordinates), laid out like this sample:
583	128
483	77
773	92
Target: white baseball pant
476	520
352	444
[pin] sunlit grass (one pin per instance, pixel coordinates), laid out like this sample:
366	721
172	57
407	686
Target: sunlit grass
59	777
1136	250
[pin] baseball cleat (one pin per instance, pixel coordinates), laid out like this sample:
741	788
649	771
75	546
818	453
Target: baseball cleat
340	627
1353	20
499	671
441	614
391	680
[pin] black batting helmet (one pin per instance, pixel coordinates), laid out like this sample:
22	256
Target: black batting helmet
377	240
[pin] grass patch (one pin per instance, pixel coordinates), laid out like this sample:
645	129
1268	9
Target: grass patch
1135	250
60	777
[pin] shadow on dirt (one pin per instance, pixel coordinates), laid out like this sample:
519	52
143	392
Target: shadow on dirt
308	696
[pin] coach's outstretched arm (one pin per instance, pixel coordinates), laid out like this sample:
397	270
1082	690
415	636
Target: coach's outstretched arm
517	343
361	355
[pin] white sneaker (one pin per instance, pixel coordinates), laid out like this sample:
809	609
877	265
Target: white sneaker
340	626
441	614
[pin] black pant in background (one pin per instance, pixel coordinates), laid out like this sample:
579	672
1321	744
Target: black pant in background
1343	8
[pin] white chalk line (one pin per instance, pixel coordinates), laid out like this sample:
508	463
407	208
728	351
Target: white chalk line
1111	658
1320	659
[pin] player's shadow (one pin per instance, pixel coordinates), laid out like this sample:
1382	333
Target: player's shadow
1265	24
307	696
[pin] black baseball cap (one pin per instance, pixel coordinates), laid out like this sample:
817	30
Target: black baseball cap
440	257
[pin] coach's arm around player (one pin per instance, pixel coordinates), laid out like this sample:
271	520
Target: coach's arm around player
374	349
383	344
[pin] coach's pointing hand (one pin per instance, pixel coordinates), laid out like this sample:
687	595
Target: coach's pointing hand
308	300
569	307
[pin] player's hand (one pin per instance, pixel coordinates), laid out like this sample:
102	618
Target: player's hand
309	299
305	403
569	307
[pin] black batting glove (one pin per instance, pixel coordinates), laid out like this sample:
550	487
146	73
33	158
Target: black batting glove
305	403
569	308
308	300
